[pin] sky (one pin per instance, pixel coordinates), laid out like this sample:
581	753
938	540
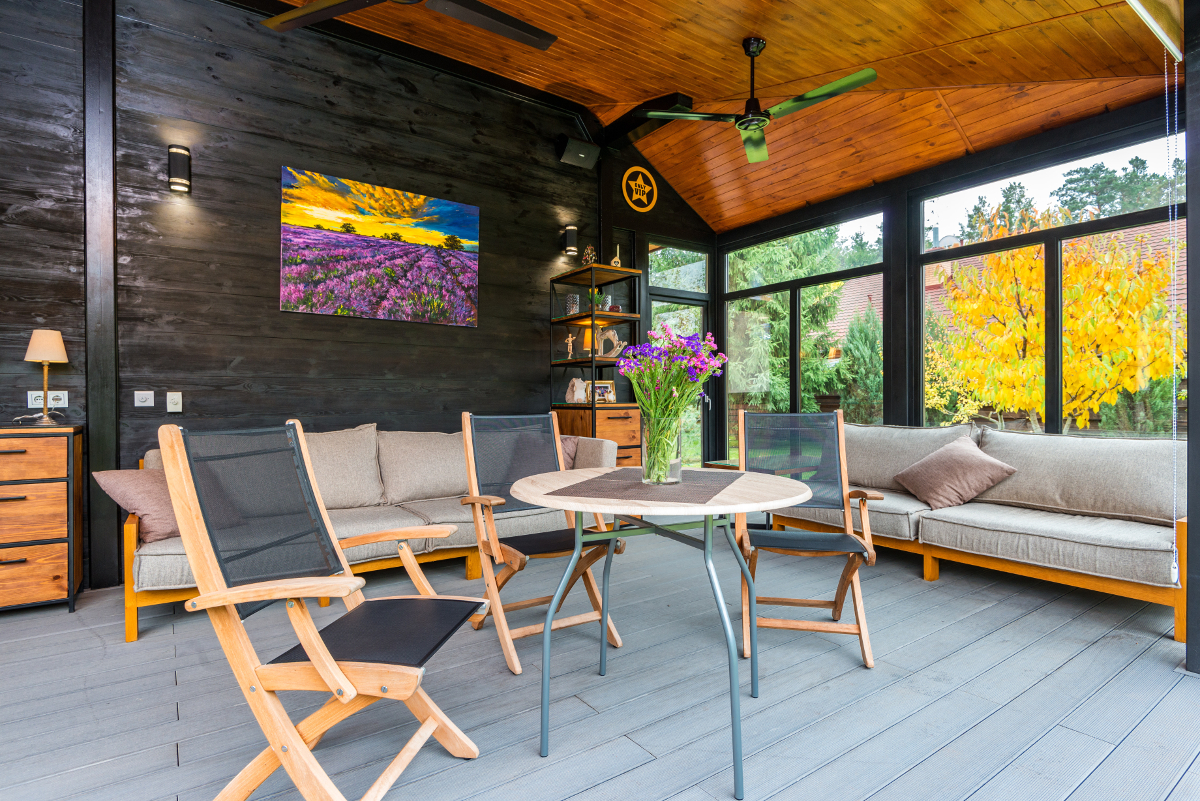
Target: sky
311	199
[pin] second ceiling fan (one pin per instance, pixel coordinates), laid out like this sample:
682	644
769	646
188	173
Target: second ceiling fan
754	119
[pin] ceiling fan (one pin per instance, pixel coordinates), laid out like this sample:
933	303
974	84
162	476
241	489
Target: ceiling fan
471	12
752	122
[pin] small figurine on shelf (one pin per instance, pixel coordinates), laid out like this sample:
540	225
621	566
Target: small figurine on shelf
570	345
589	256
616	262
577	391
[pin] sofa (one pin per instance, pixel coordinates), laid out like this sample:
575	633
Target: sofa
1102	513
370	481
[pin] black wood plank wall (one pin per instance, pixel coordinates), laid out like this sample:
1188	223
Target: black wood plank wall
198	296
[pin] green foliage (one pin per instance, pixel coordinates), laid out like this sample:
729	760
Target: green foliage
452	242
348	228
1015	205
679	269
1104	192
860	371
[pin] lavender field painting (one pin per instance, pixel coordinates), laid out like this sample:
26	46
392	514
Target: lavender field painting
358	250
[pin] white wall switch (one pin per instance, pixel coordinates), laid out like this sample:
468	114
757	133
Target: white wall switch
143	397
58	400
174	401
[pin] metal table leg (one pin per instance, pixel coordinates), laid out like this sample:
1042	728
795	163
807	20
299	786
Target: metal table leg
735	708
728	526
558	594
612	548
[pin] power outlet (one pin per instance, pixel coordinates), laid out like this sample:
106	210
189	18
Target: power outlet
143	397
174	402
58	399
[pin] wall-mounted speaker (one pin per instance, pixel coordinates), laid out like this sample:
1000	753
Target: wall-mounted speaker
581	154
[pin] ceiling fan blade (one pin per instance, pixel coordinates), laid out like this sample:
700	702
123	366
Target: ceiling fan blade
318	11
840	86
484	16
698	116
756	145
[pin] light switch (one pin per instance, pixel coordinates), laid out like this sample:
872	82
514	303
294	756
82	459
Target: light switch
143	397
174	401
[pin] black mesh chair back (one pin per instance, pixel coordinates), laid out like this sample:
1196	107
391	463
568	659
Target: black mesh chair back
509	448
258	505
803	447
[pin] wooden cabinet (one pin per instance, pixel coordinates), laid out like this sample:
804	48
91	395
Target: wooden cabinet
619	422
41	515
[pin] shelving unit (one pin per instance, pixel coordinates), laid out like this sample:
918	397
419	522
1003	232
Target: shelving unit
619	421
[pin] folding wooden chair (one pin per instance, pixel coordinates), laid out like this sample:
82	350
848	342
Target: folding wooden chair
810	448
256	531
501	451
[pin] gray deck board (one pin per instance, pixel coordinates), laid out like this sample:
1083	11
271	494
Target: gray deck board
986	686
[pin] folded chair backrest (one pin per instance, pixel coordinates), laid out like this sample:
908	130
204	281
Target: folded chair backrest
260	515
805	447
509	448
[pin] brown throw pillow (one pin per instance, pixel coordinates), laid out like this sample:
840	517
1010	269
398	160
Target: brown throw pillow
953	474
569	445
145	494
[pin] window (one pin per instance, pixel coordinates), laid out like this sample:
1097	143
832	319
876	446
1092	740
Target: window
685	319
1123	316
817	252
675	268
758	376
1118	182
841	350
985	320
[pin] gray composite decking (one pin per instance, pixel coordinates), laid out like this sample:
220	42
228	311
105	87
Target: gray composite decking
986	686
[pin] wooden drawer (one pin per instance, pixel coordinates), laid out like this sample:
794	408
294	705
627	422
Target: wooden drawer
31	512
33	573
23	458
629	457
622	426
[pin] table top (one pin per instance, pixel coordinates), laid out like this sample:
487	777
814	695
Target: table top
752	492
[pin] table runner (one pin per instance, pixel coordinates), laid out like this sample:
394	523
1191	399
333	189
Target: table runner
698	486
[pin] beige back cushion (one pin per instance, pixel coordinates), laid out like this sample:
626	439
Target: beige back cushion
153	460
875	454
418	465
346	466
1126	479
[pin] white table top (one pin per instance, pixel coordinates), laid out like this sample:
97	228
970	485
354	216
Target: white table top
752	492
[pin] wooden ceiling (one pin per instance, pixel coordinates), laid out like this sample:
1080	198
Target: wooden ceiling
955	76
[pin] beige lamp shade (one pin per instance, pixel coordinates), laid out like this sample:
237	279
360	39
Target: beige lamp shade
46	345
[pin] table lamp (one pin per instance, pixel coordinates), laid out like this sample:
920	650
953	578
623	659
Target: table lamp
45	346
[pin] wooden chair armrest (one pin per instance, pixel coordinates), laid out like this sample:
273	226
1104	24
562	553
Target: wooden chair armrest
870	495
319	587
483	500
410	533
865	522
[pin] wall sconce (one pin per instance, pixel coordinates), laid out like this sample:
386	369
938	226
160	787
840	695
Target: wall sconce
570	240
179	168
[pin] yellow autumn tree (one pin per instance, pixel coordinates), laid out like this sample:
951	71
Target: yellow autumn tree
1117	326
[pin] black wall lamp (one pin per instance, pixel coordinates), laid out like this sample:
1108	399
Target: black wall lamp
570	240
179	168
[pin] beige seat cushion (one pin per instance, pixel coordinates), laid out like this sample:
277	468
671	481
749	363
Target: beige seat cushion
346	466
897	515
875	454
422	464
1127	479
508	524
1093	545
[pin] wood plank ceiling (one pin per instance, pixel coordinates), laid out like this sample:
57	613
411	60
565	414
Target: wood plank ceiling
955	76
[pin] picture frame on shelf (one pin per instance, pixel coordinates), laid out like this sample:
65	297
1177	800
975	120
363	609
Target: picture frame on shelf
605	391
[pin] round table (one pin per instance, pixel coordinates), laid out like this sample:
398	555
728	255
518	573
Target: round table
748	492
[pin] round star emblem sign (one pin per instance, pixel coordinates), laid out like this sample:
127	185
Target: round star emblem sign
641	193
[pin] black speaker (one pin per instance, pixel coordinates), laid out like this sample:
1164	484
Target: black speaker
581	154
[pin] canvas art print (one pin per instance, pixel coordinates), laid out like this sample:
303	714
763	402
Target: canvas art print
354	249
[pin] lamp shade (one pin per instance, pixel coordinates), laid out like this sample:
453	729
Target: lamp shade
46	345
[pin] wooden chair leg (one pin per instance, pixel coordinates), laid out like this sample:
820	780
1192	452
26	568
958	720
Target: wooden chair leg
131	615
505	574
322	602
860	617
852	563
450	736
593	591
585	563
932	568
496	609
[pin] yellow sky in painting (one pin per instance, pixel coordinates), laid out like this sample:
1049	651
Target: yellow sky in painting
315	199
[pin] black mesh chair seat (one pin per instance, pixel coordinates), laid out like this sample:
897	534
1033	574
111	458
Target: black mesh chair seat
396	631
794	540
545	542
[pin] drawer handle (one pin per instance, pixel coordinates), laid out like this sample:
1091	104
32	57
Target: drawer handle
615	417
13	561
624	457
13	498
13	451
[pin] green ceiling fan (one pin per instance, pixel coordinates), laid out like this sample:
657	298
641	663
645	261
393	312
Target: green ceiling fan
752	122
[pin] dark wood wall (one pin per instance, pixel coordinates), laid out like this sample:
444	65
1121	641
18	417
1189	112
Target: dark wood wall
198	293
41	196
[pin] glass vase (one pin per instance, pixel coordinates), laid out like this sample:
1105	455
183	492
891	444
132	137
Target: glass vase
662	456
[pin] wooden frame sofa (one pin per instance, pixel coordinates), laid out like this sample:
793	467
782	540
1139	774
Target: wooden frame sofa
1087	511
